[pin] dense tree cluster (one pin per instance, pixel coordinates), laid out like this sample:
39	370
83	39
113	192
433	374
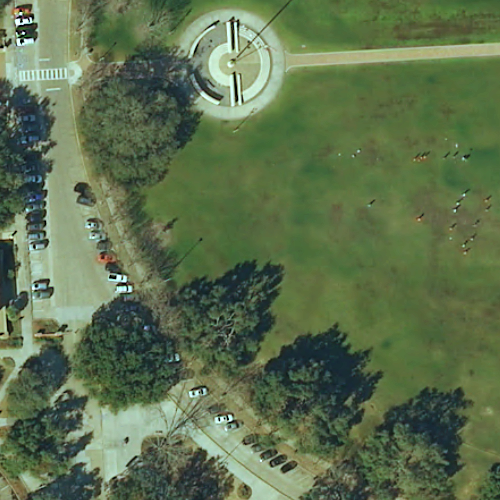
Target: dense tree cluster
436	415
42	444
12	156
225	319
194	477
122	357
412	455
342	482
403	463
313	390
490	489
40	377
77	484
135	119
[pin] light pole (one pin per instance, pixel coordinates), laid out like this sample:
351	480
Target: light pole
244	120
262	30
176	265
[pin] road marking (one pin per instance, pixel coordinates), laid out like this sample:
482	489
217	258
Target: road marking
40	75
45	59
52	89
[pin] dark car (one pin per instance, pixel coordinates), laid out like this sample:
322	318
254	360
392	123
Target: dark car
280	459
250	439
33	197
81	187
113	267
257	448
36	216
289	466
84	200
268	454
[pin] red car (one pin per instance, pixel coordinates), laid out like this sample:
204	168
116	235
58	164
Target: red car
22	10
106	258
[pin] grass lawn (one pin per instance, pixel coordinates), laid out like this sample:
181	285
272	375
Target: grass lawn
326	25
278	190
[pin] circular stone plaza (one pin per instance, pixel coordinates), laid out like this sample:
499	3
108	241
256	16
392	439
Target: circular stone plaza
238	69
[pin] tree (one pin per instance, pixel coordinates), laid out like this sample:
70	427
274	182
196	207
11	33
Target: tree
167	13
403	463
436	414
490	489
225	319
88	11
197	477
313	390
341	482
151	95
13	154
122	356
41	445
40	377
78	484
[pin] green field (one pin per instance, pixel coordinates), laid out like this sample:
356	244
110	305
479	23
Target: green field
326	25
278	190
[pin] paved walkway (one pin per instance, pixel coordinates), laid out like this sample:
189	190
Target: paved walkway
406	54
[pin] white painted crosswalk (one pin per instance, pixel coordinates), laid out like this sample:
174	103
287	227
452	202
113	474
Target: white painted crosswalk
39	75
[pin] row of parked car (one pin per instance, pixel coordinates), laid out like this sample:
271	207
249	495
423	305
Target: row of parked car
271	454
26	28
35	211
96	233
231	424
35	226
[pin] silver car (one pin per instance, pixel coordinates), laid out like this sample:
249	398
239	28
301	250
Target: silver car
39	285
41	294
37	235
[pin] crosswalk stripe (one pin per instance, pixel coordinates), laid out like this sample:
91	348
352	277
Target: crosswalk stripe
38	75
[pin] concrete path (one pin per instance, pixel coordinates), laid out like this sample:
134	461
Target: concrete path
406	54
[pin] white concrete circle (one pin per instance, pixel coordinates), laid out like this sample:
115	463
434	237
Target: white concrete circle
271	55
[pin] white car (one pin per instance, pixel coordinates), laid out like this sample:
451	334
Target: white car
38	245
36	235
34	179
39	285
224	418
118	278
97	235
124	289
23	20
20	42
173	358
92	224
196	392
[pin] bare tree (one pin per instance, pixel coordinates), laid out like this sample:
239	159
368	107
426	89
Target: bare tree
87	11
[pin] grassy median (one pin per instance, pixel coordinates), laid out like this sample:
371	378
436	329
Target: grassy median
286	188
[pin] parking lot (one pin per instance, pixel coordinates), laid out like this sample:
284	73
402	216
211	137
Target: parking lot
138	422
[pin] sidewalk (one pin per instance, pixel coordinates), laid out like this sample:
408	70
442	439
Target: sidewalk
407	54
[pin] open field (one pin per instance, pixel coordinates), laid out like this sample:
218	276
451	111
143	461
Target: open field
278	190
323	25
